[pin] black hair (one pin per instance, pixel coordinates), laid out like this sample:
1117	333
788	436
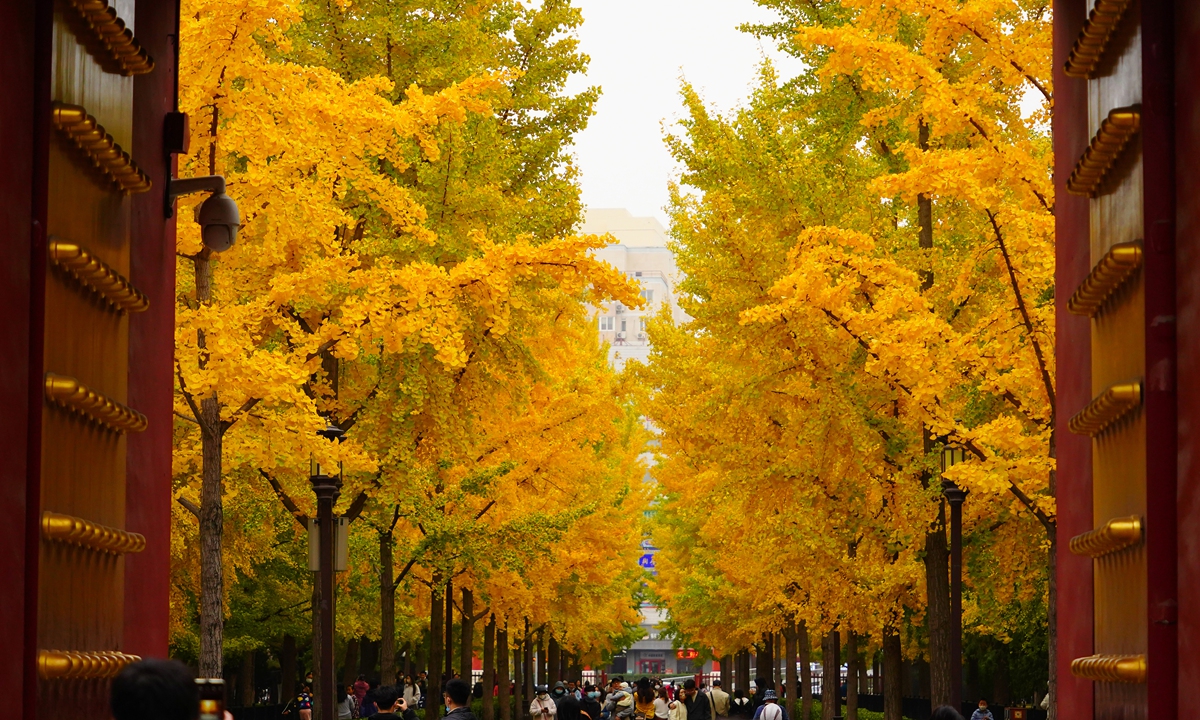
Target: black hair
645	691
385	697
569	709
717	682
945	712
689	684
459	691
155	690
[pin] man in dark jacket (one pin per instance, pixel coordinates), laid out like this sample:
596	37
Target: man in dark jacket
698	705
390	701
458	700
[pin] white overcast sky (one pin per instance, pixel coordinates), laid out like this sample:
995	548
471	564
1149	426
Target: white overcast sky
640	50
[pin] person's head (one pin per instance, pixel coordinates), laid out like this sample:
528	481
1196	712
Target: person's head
770	696
541	690
559	689
155	690
614	684
386	698
422	675
717	683
645	691
456	676
945	712
569	709
982	704
362	678
591	690
689	686
457	694
408	679
662	693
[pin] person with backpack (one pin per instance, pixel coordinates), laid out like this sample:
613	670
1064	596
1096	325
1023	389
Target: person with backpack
771	709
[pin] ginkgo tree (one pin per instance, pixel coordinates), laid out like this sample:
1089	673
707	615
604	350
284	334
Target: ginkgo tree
404	269
872	242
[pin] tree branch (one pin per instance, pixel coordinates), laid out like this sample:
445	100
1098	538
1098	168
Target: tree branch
284	498
1047	381
190	506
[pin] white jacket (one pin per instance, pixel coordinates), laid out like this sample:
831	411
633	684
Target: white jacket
539	704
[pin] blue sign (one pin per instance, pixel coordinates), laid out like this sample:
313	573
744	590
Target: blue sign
647	561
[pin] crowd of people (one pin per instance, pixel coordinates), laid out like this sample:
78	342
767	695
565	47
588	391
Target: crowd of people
166	690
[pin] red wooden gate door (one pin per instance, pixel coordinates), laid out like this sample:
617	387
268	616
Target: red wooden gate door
80	488
1123	54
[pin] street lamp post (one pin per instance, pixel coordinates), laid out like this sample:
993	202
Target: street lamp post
955	495
327	488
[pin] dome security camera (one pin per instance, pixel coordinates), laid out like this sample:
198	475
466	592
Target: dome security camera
219	220
218	216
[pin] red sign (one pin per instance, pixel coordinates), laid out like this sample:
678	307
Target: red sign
687	654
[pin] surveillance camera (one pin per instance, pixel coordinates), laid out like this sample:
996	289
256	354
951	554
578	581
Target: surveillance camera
218	215
219	220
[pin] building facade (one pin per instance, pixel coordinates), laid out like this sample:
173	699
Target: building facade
641	253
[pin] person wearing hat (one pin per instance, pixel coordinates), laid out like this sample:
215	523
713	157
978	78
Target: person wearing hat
771	709
542	707
559	692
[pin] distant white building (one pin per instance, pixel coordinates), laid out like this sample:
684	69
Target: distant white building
642	254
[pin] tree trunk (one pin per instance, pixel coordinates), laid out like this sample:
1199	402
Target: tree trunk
553	661
519	701
467	650
893	690
804	650
505	690
937	613
433	698
789	659
350	662
368	651
924	211
776	651
449	633
864	682
287	669
212	528
246	678
316	644
489	669
831	703
726	675
212	580
852	665
530	679
543	661
1000	678
387	611
764	660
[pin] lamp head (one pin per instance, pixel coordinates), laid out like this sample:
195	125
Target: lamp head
219	220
